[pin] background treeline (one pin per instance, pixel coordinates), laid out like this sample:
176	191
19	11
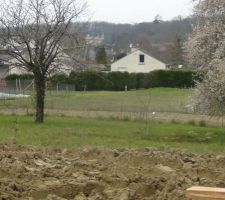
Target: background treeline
158	39
121	35
117	81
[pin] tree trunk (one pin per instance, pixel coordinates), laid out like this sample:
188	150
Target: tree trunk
40	98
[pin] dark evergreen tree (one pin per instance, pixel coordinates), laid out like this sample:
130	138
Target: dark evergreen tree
101	56
175	52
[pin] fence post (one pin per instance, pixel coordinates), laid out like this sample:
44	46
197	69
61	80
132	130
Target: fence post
20	88
16	86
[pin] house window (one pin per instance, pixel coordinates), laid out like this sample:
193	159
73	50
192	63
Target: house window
141	58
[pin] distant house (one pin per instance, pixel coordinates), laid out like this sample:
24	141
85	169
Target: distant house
9	65
137	62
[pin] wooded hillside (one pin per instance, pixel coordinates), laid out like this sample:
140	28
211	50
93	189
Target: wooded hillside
157	38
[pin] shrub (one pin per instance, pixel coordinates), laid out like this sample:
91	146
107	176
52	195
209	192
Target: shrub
139	80
117	81
59	78
202	123
12	77
171	78
90	80
192	122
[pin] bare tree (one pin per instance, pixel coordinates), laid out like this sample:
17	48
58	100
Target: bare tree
34	31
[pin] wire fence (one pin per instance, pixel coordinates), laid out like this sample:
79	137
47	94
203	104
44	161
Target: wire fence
20	86
16	86
64	98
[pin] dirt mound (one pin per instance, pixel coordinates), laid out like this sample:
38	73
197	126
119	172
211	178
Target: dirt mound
99	174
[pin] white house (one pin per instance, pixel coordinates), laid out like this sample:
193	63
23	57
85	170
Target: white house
137	61
9	65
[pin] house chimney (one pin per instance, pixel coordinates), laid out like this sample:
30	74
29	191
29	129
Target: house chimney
132	48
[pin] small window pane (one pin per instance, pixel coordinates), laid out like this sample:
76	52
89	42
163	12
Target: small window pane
142	58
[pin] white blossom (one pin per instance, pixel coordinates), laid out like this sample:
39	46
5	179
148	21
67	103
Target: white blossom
206	52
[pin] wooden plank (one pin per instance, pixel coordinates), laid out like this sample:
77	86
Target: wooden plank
206	193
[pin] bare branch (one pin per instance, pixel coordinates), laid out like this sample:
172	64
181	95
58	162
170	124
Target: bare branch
33	31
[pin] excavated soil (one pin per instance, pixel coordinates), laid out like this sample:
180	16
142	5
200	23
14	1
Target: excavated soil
33	173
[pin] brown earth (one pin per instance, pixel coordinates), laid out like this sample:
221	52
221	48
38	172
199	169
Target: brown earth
33	173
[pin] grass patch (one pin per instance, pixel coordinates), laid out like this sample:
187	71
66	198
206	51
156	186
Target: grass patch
68	132
202	123
155	99
192	122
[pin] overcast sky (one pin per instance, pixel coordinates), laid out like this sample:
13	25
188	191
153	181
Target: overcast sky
134	11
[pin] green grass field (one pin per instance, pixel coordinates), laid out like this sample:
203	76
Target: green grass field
68	132
156	99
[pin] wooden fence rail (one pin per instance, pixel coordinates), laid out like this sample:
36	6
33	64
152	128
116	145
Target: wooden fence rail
206	193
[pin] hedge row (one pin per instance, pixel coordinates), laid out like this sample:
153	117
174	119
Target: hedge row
117	81
91	80
13	77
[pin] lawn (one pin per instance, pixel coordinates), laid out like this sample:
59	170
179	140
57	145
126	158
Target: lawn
68	132
156	99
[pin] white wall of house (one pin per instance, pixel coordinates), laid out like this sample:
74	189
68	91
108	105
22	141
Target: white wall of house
17	70
137	62
6	70
57	69
62	69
